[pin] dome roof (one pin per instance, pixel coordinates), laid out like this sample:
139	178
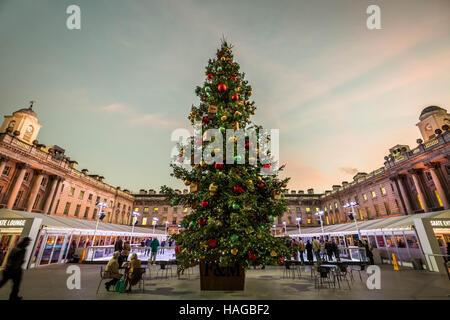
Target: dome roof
28	111
430	109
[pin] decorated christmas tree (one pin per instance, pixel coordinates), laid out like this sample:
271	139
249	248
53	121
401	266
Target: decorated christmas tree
233	204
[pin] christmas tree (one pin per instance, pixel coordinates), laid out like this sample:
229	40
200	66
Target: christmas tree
233	204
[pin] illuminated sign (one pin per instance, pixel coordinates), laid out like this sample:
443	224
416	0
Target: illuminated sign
440	223
12	223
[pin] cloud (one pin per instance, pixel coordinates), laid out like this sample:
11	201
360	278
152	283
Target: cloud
349	170
132	117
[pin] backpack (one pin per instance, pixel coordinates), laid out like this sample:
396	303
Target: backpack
120	286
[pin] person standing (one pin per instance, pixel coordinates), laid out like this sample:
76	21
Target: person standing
369	252
112	271
163	244
301	250
118	245
294	247
13	269
309	252
154	245
362	251
329	250
316	248
125	253
335	250
148	242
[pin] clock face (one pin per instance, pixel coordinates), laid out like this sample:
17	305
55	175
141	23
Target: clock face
428	127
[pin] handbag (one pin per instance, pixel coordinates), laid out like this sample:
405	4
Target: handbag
120	286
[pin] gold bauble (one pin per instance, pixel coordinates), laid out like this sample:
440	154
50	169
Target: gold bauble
234	251
223	118
222	59
187	182
273	254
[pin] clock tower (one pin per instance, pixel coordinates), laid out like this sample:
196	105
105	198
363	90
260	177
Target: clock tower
24	124
432	118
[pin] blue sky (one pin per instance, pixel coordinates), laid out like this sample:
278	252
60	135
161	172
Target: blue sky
112	92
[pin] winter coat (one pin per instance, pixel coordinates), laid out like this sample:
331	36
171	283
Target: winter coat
301	246
309	251
112	269
155	245
126	249
316	245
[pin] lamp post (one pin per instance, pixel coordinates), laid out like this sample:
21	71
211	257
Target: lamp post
100	205
284	227
352	205
274	230
154	223
134	214
320	214
299	220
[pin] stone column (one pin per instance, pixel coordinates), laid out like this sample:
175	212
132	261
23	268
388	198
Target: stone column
3	161
34	190
419	189
48	201
404	195
56	196
15	190
437	182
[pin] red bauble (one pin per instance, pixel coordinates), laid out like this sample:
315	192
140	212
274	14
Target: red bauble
235	97
245	101
202	222
233	78
205	120
218	165
222	87
204	204
177	248
260	185
251	256
248	145
212	243
280	261
267	167
209	76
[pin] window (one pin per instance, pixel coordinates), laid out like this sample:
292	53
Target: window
6	171
44	180
136	209
289	220
447	168
317	209
26	177
71	191
367	212
97	200
388	208
36	201
90	197
383	191
308	209
360	214
67	208
86	212
145	209
94	215
297	209
392	187
164	220
428	175
336	205
175	209
77	210
374	195
364	196
81	196
19	196
377	210
165	209
57	205
309	221
185	210
144	221
155	209
110	203
174	221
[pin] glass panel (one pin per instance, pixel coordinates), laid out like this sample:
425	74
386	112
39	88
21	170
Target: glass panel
390	241
57	249
47	250
380	241
36	252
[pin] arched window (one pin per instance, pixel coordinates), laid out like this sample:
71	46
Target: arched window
28	133
12	123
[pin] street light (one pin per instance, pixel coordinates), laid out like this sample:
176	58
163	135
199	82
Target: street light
320	214
352	205
134	214
274	230
100	205
299	221
284	226
154	223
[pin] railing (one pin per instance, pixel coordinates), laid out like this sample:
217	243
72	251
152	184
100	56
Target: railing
104	253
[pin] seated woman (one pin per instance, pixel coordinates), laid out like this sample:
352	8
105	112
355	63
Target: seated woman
134	272
112	271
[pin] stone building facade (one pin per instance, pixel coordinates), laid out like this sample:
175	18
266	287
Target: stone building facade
43	179
37	178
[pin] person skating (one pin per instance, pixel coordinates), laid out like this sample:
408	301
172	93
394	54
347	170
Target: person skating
154	245
301	250
316	248
309	252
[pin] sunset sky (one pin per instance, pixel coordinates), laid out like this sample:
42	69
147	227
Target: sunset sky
112	92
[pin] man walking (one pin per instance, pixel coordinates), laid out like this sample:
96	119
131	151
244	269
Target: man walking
154	245
13	269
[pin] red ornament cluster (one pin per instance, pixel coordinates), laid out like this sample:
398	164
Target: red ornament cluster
252	257
235	97
202	222
219	165
260	185
209	76
204	204
205	120
238	190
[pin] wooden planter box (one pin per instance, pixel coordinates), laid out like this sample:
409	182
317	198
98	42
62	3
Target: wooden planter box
213	277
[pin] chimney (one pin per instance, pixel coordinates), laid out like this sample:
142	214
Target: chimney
311	191
301	192
151	191
142	191
344	183
293	192
336	187
177	191
101	178
85	172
